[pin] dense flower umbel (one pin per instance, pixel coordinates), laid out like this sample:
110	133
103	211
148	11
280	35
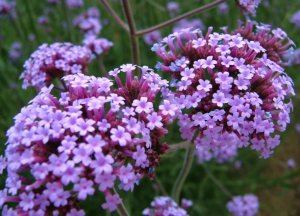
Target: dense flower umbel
228	89
296	19
275	41
93	137
166	206
248	6
96	45
246	205
54	61
89	22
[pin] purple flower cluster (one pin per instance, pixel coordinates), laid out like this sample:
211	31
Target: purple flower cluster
185	23
96	45
223	8
152	37
166	206
74	3
274	41
294	57
7	7
248	6
96	135
15	51
246	205
89	22
228	89
173	8
295	19
54	61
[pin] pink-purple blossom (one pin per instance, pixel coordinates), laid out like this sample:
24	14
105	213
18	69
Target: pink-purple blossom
228	88
97	46
76	143
54	61
246	205
164	205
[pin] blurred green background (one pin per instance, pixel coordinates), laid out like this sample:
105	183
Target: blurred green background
277	187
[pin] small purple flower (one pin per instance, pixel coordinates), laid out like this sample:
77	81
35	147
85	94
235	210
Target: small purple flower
89	22
167	206
152	37
246	205
248	6
295	19
97	46
71	4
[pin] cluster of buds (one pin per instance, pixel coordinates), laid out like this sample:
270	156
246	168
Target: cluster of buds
89	22
228	89
96	135
97	46
54	61
275	41
246	205
166	206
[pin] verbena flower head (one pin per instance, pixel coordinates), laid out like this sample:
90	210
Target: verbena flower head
291	163
246	205
276	42
248	6
74	3
295	19
228	89
89	22
94	136
54	61
7	7
97	46
166	206
152	37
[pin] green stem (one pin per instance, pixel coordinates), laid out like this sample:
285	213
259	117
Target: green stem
114	15
32	21
102	68
132	32
217	182
121	209
175	19
160	185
